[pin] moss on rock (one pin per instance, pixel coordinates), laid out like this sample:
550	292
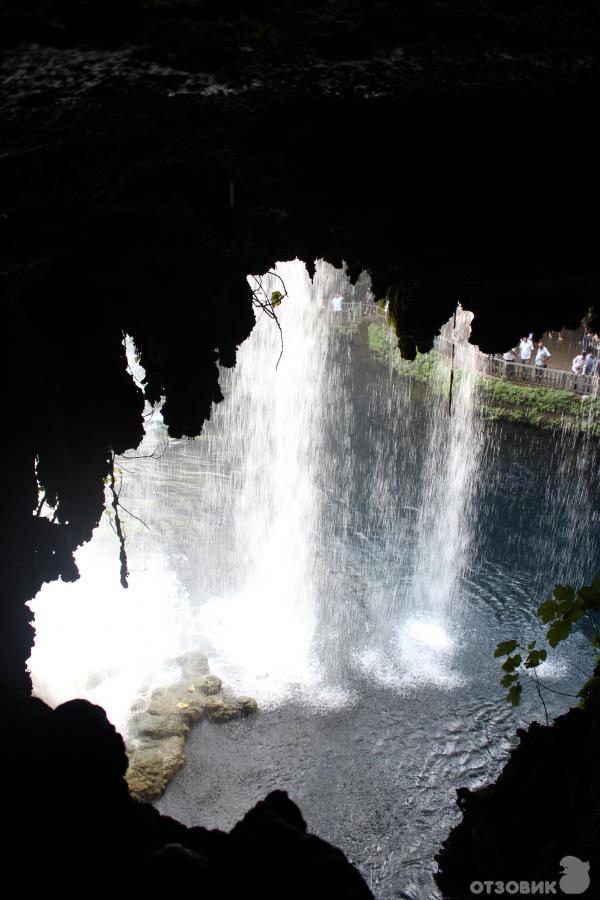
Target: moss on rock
209	684
159	728
153	765
224	708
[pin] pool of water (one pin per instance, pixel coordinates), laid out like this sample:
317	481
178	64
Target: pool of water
416	710
350	553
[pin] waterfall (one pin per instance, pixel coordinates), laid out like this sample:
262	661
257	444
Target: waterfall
318	529
427	462
262	623
450	471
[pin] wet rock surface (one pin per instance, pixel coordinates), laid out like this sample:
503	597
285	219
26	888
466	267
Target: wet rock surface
158	732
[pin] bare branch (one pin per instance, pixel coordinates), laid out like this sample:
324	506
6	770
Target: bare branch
124	508
546	688
266	304
539	690
152	455
119	530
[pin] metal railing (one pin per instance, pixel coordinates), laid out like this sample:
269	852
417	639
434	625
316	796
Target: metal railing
353	312
527	374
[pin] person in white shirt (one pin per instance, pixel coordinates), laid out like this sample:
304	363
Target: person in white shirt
525	349
542	356
590	364
336	303
578	363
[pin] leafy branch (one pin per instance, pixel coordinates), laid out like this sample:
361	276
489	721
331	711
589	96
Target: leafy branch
268	304
561	612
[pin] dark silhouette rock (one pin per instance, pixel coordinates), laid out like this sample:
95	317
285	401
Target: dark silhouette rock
68	809
544	805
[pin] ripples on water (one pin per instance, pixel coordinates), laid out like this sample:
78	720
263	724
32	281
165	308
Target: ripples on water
349	554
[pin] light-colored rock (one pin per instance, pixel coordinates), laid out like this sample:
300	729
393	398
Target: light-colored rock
209	684
193	665
153	766
248	705
225	708
157	727
156	751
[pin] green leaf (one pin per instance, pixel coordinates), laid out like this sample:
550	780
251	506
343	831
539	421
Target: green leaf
589	597
564	593
514	695
573	615
535	658
557	632
511	663
531	645
508	680
504	648
547	610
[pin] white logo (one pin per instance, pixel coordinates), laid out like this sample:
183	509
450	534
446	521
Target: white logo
575	876
575	879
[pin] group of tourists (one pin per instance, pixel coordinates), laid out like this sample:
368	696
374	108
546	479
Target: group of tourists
587	362
526	350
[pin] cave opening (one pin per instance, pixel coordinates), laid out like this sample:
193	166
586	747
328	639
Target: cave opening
343	545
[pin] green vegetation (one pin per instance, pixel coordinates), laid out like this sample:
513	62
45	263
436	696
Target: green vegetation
501	398
382	344
348	329
566	607
544	407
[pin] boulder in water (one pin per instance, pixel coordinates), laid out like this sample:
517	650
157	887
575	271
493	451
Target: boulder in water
159	730
153	765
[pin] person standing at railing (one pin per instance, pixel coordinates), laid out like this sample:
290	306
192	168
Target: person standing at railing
587	341
578	363
589	367
525	349
577	367
541	360
509	359
542	356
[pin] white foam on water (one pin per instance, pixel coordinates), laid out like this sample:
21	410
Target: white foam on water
97	641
